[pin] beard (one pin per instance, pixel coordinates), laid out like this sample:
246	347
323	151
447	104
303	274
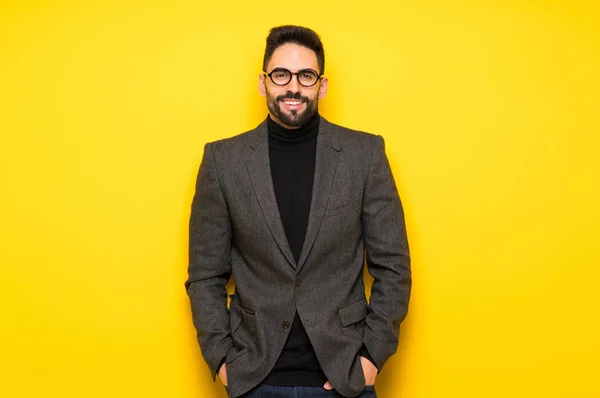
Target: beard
294	118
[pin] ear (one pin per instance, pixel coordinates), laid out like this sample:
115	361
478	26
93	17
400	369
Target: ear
261	85
323	87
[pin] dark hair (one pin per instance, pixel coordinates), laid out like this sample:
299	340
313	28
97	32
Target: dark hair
300	35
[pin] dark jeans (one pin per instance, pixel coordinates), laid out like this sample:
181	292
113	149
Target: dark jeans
266	391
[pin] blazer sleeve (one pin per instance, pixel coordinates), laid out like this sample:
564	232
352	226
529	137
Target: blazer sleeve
209	264
387	256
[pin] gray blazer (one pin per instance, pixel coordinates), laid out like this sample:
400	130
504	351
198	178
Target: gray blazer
236	230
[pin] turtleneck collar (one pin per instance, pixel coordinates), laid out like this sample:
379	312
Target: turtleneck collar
301	134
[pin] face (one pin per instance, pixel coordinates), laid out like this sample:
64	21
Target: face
292	105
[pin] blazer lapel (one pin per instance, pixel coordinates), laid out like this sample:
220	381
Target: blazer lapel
328	151
259	168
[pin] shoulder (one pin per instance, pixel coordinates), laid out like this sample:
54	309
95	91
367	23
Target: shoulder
234	145
352	139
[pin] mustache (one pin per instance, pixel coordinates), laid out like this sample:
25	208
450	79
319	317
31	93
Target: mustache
292	96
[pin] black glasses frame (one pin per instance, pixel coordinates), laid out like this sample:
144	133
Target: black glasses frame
292	75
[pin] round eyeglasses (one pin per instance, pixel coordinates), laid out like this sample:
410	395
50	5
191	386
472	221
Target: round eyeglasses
282	76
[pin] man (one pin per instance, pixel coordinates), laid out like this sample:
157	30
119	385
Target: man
291	210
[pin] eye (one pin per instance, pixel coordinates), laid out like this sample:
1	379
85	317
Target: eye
280	74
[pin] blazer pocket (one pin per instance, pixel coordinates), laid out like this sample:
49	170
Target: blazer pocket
235	354
351	314
242	322
343	208
246	308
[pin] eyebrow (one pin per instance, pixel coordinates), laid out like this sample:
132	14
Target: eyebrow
299	70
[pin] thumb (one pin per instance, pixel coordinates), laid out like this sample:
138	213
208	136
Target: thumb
328	386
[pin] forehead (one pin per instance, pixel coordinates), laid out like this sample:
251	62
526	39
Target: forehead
293	57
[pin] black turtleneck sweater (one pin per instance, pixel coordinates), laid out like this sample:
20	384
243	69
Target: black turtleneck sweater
292	155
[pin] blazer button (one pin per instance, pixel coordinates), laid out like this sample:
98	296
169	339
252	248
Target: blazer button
286	324
298	282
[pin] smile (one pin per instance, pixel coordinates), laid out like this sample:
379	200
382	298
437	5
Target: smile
292	102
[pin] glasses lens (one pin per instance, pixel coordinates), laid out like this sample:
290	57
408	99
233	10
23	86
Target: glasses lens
307	77
281	76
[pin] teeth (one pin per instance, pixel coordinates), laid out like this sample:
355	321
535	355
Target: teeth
293	102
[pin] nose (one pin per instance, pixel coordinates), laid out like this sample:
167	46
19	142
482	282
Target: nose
293	85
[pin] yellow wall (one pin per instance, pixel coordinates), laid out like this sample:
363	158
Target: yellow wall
490	114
